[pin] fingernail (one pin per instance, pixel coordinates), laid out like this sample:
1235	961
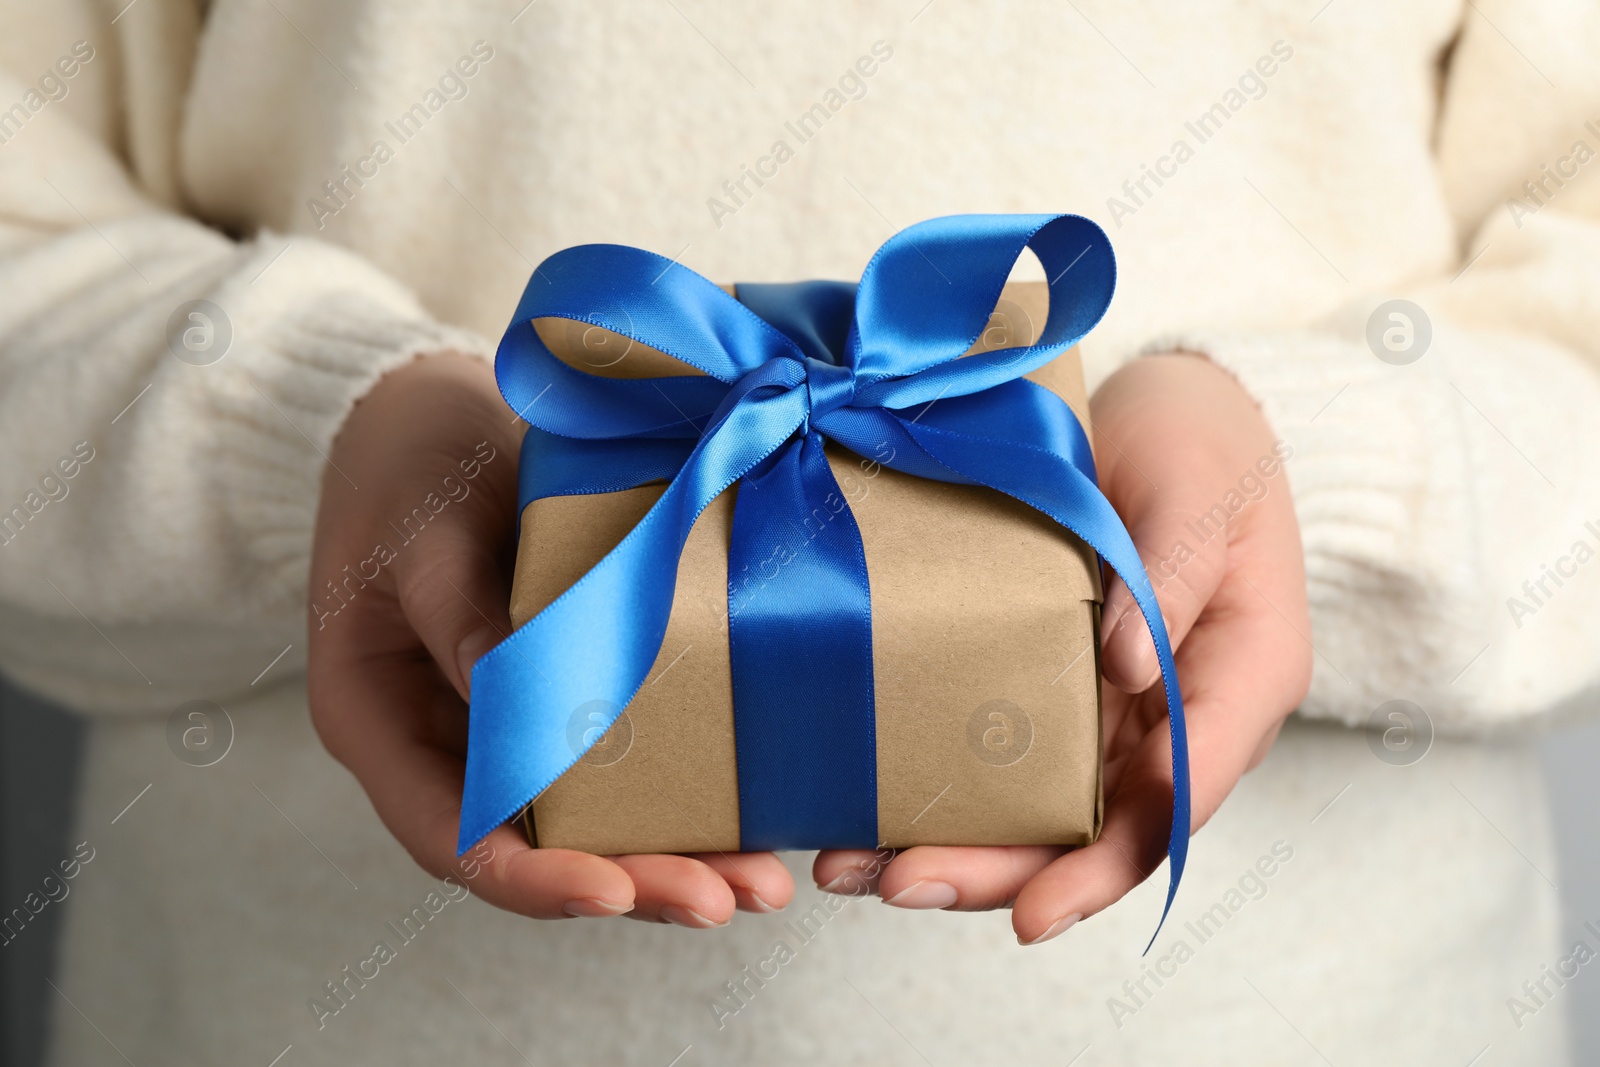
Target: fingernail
852	883
924	896
1057	927
1132	665
1110	619
472	648
761	905
1144	666
591	908
682	916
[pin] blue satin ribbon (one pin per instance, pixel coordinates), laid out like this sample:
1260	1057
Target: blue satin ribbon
873	367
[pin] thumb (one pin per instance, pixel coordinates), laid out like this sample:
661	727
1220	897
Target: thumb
1184	548
453	594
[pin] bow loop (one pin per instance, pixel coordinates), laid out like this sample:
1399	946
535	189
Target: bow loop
650	300
656	302
909	335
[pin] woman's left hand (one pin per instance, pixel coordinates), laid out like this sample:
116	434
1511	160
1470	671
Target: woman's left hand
1174	436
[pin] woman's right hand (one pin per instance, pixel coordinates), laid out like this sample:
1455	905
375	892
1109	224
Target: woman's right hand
394	635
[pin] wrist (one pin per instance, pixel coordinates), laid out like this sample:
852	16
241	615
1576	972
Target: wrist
404	442
445	376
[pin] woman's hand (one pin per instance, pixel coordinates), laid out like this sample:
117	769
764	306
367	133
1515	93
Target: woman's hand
1174	437
409	586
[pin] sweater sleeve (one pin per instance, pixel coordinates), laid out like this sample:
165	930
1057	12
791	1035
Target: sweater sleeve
168	395
1446	463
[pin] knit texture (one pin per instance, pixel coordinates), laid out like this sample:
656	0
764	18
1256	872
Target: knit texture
353	185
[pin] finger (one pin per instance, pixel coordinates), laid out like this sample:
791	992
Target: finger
1245	668
1185	569
678	889
453	594
547	883
1230	711
759	880
386	731
439	503
850	872
1263	747
1090	879
962	878
416	790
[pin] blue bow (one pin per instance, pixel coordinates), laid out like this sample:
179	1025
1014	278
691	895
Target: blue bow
873	367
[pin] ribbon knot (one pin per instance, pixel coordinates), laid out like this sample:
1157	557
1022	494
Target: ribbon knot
799	605
828	387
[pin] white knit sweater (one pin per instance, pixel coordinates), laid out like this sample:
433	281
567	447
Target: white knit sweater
354	184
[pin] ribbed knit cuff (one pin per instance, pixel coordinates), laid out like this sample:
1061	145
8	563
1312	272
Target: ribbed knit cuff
180	564
337	326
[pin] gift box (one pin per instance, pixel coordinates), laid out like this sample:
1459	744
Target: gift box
985	652
813	565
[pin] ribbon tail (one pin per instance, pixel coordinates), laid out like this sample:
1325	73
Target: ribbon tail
1051	483
547	694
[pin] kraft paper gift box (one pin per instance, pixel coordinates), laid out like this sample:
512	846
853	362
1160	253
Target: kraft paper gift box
985	649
